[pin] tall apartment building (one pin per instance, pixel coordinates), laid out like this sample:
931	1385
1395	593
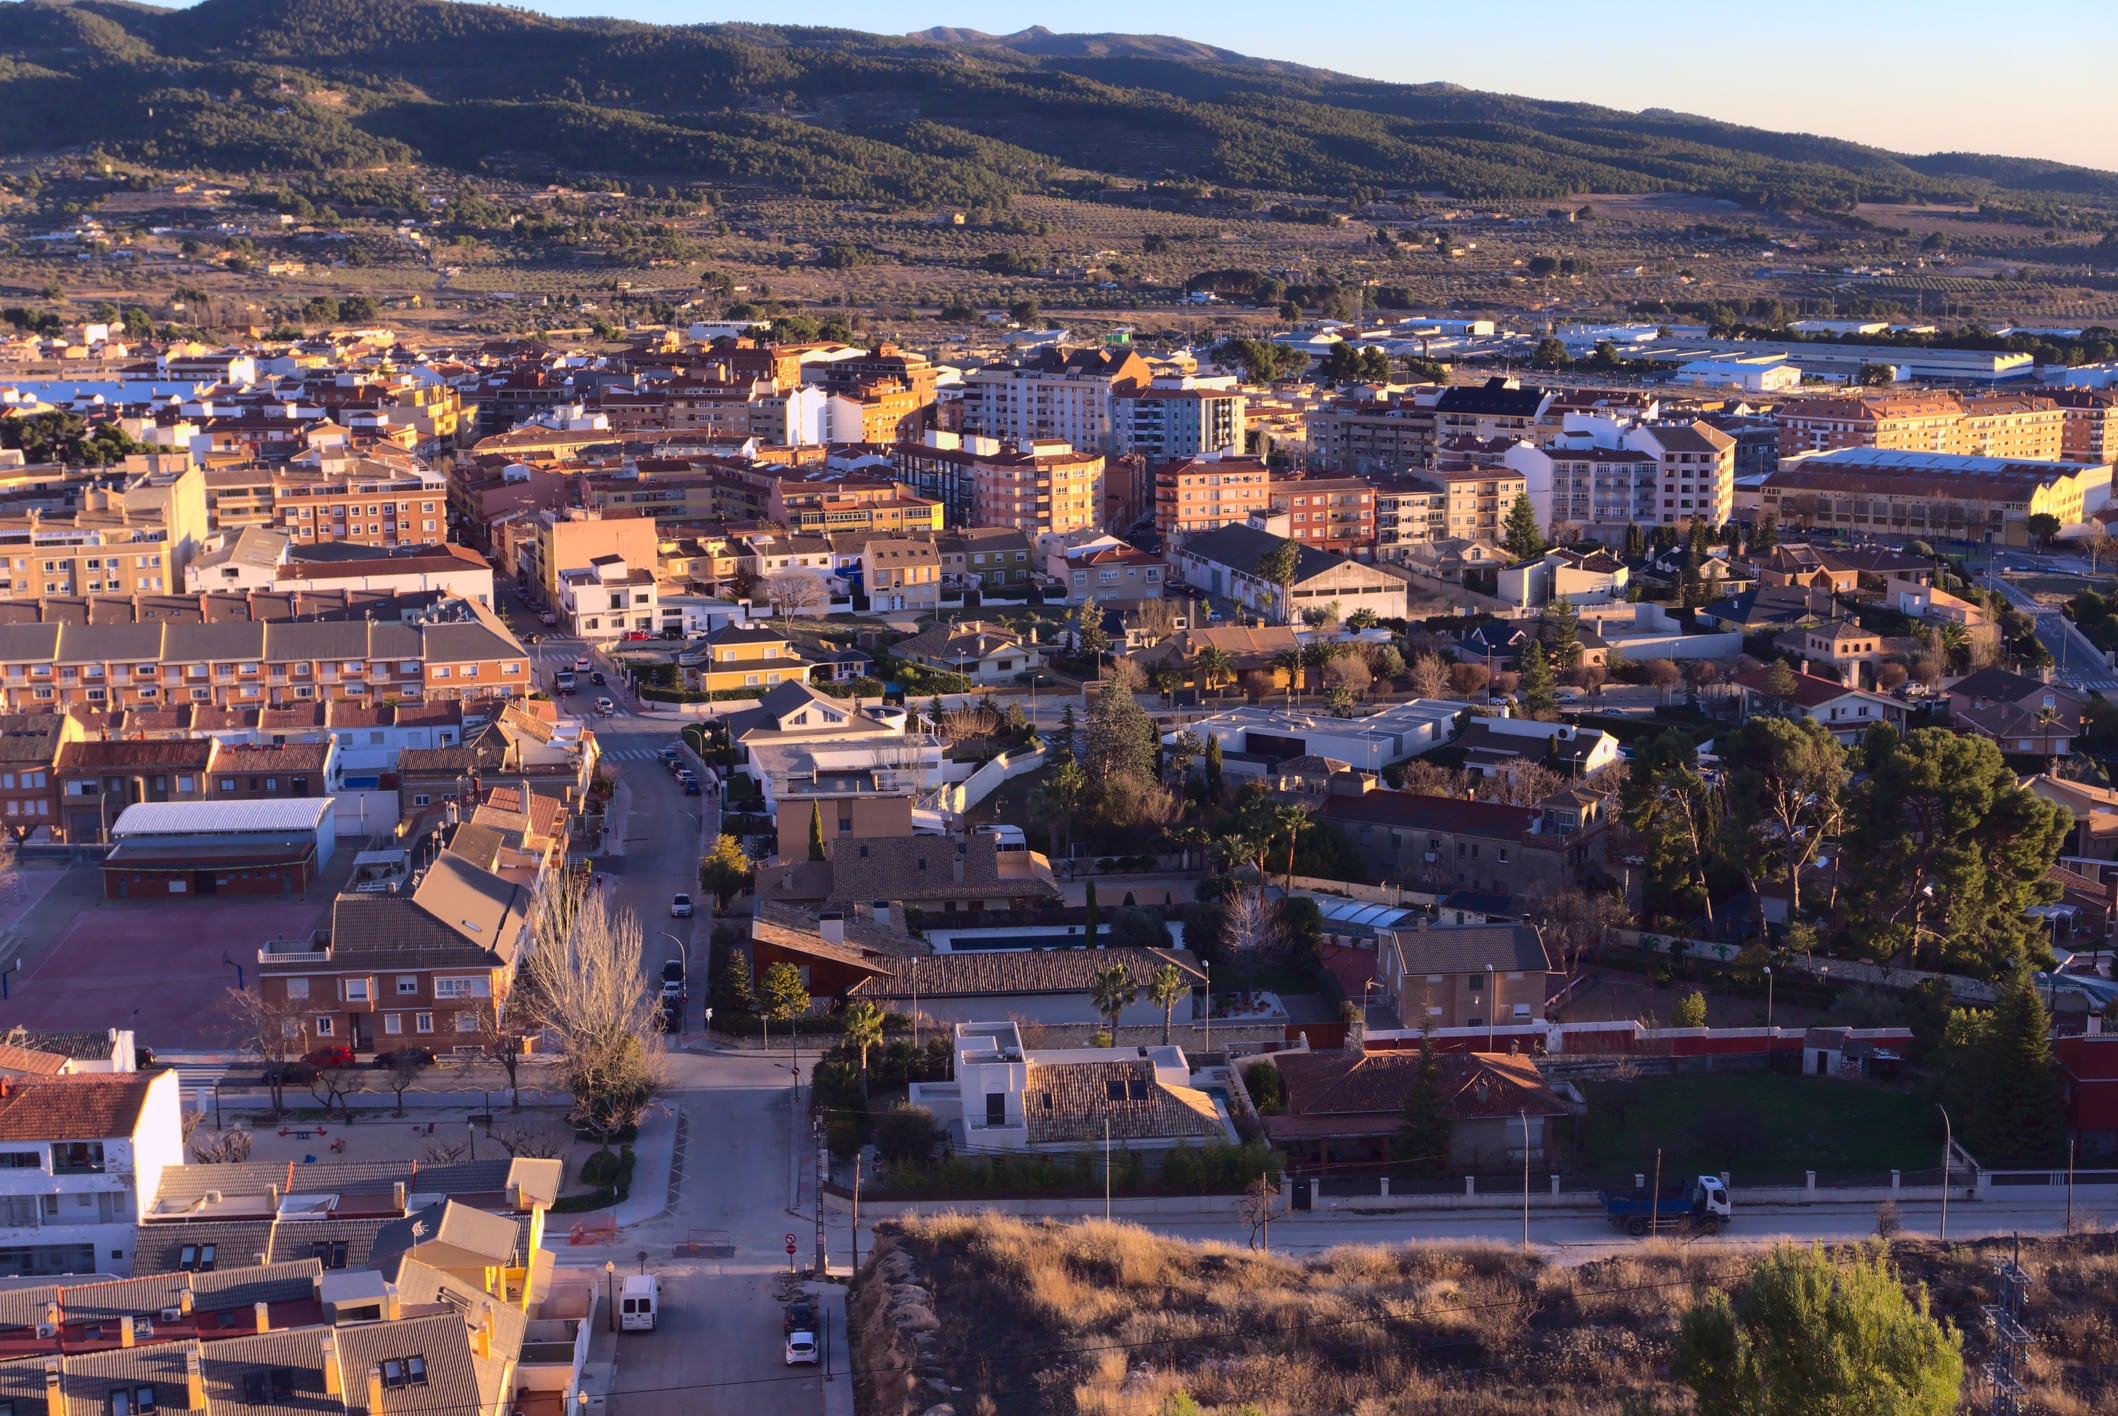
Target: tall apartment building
1032	485
2090	430
1477	499
83	1153
1172	419
1602	474
1059	394
1381	437
2028	427
1409	511
1697	467
913	370
1204	494
1335	514
239	496
368	503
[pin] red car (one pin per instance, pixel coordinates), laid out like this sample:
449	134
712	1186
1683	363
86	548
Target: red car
330	1057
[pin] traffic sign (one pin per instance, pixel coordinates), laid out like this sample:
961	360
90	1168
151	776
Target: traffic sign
790	1239
790	1248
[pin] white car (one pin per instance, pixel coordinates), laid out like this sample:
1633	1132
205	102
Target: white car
605	708
582	665
680	907
801	1349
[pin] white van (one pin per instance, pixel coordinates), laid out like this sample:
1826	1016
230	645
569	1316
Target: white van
639	1303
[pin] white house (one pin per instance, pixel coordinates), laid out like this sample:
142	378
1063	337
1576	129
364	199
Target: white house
1368	743
76	1153
1008	1098
609	599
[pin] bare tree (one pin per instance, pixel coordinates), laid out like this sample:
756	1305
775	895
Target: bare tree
1156	620
1258	1207
221	1148
530	1143
1251	924
445	1152
1430	676
274	1033
795	591
594	1001
505	1031
1350	672
2095	541
1127	674
334	1083
404	1069
1577	924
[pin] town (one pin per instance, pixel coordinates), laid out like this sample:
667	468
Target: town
1221	844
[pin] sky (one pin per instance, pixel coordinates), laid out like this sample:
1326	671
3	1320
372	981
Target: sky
1938	76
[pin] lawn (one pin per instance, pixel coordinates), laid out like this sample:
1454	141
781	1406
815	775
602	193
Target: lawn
1760	1126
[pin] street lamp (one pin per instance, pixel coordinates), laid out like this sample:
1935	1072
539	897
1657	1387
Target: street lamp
1768	995
1207	965
1524	1116
1492	1004
610	1292
1948	1145
471	1129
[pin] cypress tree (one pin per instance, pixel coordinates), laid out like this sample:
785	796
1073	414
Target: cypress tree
2016	1117
1088	929
816	831
1213	770
1424	1131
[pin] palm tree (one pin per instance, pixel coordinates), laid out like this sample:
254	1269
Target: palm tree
1278	567
1166	988
863	1031
1212	665
1319	653
1363	618
1165	678
1113	992
1291	661
1191	836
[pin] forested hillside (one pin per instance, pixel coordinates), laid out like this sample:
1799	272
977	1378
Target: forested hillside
244	85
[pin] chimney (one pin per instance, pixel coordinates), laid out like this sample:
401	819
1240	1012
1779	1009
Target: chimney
831	925
263	1313
374	1390
482	1340
53	1399
125	1331
334	1379
882	913
397	1195
957	862
195	1381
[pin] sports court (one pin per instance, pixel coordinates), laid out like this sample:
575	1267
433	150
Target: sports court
155	967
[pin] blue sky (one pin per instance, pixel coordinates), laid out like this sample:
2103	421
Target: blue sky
1943	75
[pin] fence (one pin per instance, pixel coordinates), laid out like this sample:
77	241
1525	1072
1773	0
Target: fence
959	797
1967	990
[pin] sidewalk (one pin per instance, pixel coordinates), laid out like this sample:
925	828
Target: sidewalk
656	1167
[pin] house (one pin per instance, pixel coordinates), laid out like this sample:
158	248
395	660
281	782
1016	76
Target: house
2093	808
29	784
1767	608
831	951
1470	976
2088	1069
738	656
248	772
1841	643
1344	1108
1443	845
1493	746
1249	648
901	574
1368	743
2019	714
399	969
1847	712
1108	571
1582	578
1226	563
935	874
1008	1097
98	780
1047	986
982	652
608	599
75	1150
985	557
1922	601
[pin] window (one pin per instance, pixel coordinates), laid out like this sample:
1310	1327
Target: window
324	1024
408	1371
356	990
423	1022
407	983
393	1023
996	1108
331	1253
1114	1091
466	1022
297	988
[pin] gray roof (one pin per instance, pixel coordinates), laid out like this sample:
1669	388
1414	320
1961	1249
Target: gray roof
183	1183
159	1248
1241	548
452	1385
1509	948
297	1353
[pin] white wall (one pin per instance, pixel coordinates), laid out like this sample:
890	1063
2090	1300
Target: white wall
363	813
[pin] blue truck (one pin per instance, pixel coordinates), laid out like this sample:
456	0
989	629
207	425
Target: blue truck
1700	1207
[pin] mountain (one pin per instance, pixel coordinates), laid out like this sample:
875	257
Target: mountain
951	116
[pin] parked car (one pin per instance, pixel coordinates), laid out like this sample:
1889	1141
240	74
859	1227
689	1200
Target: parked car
669	755
673	981
680	907
291	1074
605	708
634	636
800	1316
801	1349
416	1056
330	1057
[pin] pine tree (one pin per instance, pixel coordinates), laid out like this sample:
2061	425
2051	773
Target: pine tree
816	831
1213	770
1520	535
1767	534
1121	737
2015	1109
1563	622
1424	1131
1064	749
1535	692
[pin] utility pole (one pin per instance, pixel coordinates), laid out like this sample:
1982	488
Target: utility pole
1525	1118
2010	1338
856	1212
823	1173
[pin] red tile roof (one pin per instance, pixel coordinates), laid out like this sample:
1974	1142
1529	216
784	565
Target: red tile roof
93	1106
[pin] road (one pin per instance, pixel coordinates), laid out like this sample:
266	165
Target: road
2080	663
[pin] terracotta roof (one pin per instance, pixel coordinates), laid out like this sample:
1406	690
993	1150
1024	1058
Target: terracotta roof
85	1107
1416	811
272	757
1347	1092
97	756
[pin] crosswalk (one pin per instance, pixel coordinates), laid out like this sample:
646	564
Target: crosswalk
632	754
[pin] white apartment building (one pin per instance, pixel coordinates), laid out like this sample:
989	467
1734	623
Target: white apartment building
1176	418
609	599
1603	473
1067	395
76	1153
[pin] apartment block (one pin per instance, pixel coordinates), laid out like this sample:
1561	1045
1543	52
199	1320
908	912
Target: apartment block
573	539
92	552
369	503
1172	419
76	1155
2016	427
852	504
1202	494
2022	427
2090	430
608	598
1331	514
1060	394
1409	511
1032	486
